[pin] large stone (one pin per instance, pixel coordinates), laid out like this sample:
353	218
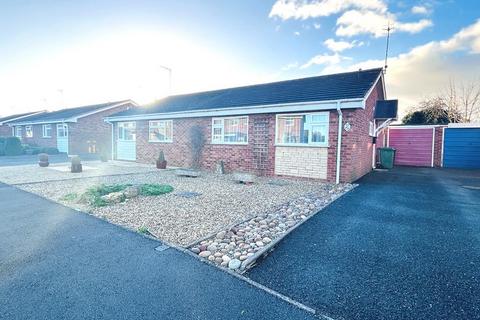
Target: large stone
234	264
114	197
205	254
243	177
130	192
187	173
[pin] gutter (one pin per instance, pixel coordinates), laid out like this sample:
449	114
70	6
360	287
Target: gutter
339	142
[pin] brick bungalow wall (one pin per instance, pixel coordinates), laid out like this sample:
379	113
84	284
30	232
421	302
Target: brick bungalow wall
38	139
5	131
236	157
356	153
91	134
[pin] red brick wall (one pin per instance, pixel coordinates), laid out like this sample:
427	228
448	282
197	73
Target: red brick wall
38	139
235	157
357	146
91	134
5	131
437	155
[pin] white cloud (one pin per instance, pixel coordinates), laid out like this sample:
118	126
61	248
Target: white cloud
316	25
324	59
290	66
296	33
339	46
356	17
425	70
355	22
299	9
420	10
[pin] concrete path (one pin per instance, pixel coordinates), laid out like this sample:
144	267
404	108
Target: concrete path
403	245
56	263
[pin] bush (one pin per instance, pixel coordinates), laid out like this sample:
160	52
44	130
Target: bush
2	146
13	146
155	189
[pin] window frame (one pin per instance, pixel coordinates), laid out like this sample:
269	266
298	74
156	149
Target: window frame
312	124
44	129
158	121
18	132
65	126
28	129
120	125
222	127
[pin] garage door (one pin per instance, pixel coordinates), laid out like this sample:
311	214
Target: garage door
414	146
461	148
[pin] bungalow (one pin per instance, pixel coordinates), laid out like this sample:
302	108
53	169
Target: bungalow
5	129
319	127
78	130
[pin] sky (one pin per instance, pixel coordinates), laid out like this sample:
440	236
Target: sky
57	54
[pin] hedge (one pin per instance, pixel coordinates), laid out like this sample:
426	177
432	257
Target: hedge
12	146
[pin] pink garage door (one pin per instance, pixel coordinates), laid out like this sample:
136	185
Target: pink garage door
413	145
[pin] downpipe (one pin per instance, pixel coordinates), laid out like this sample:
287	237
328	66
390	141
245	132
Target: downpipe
339	142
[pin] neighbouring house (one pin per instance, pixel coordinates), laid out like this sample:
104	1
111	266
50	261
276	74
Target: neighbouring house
319	127
78	130
5	129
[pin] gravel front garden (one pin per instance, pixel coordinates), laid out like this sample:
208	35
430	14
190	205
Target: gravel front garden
197	207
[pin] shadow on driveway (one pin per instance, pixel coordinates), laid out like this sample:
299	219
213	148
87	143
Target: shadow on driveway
405	244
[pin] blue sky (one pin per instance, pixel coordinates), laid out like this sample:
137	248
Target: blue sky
69	53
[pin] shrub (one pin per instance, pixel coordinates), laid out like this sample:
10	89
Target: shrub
50	150
2	146
143	230
155	189
69	197
13	146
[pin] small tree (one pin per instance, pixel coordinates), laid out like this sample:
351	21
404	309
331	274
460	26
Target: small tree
13	146
431	111
197	141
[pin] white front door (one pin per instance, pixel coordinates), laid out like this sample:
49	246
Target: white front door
126	136
62	137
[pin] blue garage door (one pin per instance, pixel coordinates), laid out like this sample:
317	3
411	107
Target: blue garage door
461	148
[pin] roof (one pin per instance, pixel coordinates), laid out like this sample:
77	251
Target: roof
386	109
13	117
69	114
340	86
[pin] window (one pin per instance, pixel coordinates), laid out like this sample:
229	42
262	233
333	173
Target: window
62	130
230	130
160	131
18	132
47	131
28	132
126	131
303	129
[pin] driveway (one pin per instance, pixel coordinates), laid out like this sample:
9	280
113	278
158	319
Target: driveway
405	244
57	263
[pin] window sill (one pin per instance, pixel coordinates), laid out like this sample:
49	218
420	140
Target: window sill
151	141
302	145
47	137
229	143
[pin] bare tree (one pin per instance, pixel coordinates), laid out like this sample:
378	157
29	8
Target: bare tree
463	100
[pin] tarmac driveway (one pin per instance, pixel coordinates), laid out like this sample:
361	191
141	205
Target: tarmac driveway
405	244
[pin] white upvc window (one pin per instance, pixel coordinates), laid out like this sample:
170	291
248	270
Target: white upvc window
232	130
62	130
47	131
126	131
160	131
302	129
18	132
28	132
